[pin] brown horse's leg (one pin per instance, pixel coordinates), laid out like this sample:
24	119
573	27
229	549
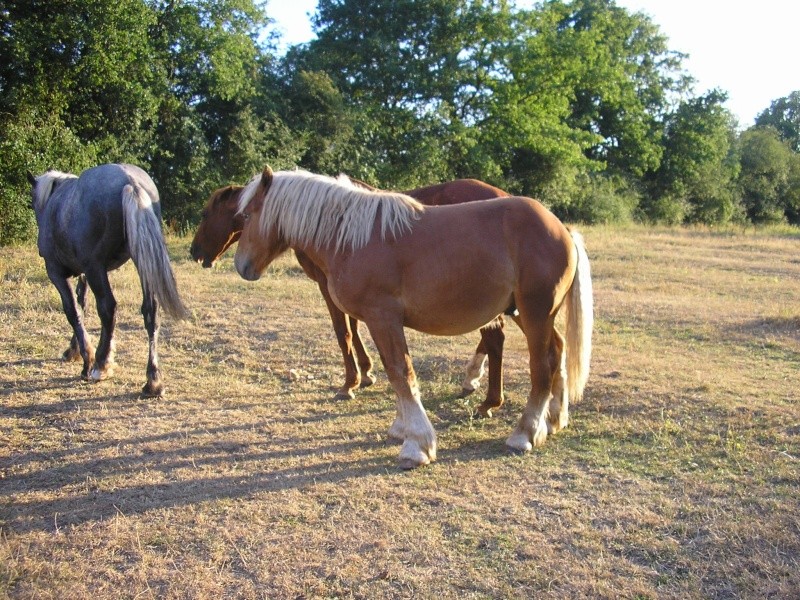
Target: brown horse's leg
344	336
364	361
75	318
493	338
531	430
558	416
411	423
475	369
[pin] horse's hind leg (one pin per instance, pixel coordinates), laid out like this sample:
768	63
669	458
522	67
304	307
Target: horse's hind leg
364	361
73	353
493	338
532	428
558	416
153	388
344	337
68	302
475	369
107	310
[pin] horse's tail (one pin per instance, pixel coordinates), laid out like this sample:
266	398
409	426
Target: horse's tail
580	320
148	250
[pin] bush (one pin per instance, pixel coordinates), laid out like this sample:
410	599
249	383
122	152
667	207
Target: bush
37	143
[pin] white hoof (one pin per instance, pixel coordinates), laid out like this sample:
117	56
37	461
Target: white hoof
519	441
99	375
412	456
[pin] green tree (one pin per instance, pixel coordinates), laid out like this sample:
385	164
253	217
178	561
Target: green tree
784	116
179	87
696	179
627	79
766	166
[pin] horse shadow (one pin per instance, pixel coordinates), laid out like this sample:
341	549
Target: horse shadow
45	491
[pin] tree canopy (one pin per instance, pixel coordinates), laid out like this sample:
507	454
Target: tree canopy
580	103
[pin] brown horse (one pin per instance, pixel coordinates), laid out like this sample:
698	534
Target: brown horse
444	270
220	227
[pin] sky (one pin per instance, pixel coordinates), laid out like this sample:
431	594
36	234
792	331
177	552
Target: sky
745	49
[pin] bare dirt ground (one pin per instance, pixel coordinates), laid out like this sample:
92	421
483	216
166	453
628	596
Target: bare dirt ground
678	477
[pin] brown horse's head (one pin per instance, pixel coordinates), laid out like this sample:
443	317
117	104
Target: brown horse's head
219	227
258	245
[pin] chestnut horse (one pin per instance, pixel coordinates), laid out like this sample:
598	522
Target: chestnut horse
220	227
392	262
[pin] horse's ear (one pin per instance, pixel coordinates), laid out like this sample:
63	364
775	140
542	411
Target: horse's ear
31	178
266	177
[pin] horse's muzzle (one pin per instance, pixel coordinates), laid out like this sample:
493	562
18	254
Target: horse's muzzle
199	256
245	269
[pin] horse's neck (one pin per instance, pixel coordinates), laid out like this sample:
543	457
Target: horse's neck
312	258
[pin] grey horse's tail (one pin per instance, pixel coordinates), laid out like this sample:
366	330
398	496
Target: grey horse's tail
148	250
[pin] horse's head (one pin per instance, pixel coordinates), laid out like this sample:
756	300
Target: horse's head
260	243
220	226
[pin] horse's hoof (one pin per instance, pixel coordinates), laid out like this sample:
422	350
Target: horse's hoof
97	374
406	464
153	389
344	395
519	442
465	392
484	412
71	355
413	456
367	380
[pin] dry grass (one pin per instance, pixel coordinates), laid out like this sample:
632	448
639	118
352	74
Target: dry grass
677	478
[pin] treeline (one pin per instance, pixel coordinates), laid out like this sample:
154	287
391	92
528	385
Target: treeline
581	104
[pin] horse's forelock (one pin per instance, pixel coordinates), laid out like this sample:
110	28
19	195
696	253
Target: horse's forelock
224	195
45	185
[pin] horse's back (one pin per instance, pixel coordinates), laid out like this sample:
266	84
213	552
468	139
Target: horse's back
456	192
107	181
86	220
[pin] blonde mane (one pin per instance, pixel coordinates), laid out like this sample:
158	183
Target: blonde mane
45	184
320	210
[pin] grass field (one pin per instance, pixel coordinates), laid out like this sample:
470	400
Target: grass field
678	477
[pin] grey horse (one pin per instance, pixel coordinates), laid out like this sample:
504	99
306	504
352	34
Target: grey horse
89	225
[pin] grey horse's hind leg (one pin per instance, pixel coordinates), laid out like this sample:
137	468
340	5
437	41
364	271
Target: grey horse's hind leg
73	353
107	310
75	318
153	387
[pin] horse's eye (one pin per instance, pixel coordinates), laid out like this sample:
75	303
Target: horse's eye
245	216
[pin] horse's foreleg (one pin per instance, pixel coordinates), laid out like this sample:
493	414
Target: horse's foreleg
531	430
69	304
107	310
73	353
344	336
364	361
411	423
493	337
558	416
153	388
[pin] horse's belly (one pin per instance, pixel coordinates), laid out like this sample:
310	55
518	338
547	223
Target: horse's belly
449	322
454	309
